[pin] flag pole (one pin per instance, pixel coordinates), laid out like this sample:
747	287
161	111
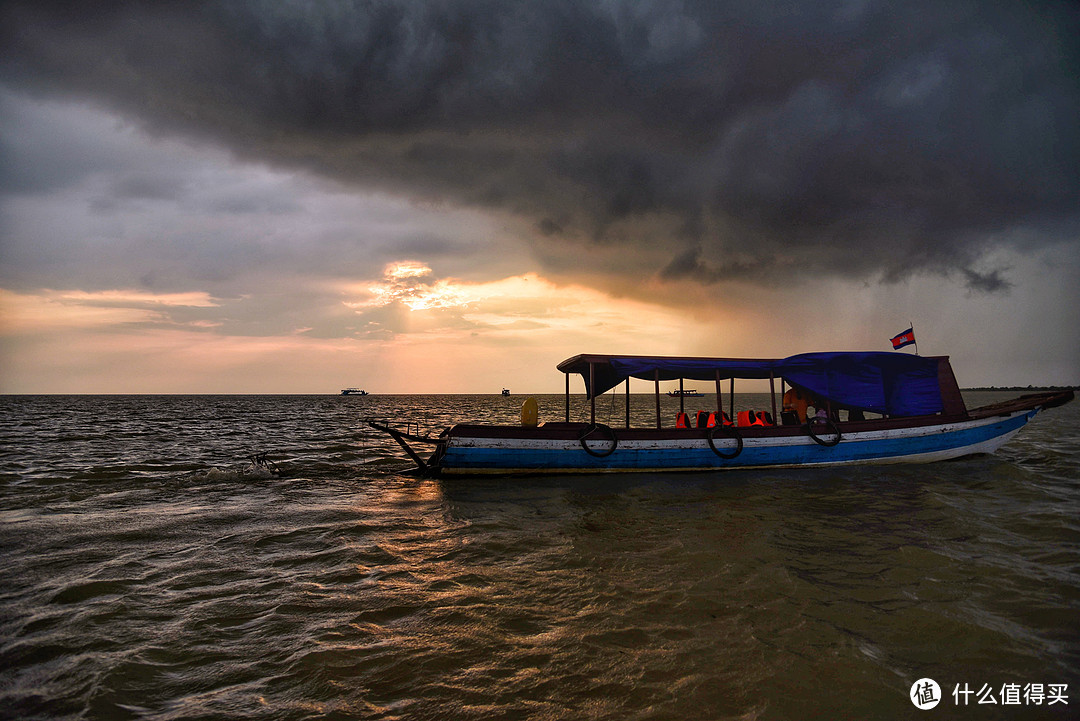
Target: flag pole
913	338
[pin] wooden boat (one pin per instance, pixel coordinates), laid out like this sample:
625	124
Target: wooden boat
871	407
688	393
353	392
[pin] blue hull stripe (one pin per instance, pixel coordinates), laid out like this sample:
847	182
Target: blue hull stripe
628	458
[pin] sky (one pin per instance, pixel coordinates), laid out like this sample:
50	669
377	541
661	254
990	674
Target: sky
439	196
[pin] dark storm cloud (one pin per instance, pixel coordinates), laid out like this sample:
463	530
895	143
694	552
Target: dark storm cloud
753	140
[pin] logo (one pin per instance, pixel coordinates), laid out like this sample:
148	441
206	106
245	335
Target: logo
925	693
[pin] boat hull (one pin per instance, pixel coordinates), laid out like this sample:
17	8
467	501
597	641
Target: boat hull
471	450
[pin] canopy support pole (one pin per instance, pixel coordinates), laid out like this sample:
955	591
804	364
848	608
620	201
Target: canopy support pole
731	401
567	374
783	392
772	392
719	400
656	387
627	401
682	397
592	394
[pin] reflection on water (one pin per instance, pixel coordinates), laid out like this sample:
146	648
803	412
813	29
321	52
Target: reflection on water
150	573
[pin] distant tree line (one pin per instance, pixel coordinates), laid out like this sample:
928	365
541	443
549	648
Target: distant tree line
1022	388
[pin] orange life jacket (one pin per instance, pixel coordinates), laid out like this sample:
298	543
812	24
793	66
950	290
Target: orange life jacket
682	420
753	418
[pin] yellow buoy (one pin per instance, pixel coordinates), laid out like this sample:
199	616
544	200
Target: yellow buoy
529	413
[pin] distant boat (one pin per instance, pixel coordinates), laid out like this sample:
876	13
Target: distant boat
506	391
899	409
353	392
688	393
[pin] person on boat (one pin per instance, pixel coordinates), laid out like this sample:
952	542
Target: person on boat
797	401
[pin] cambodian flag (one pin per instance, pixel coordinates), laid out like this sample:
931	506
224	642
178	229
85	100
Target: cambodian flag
903	339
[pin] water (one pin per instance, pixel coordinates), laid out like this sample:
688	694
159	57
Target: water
150	572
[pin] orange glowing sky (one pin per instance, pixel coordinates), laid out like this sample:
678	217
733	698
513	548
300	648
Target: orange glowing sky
410	331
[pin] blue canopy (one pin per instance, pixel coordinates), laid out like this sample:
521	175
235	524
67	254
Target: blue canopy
890	383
